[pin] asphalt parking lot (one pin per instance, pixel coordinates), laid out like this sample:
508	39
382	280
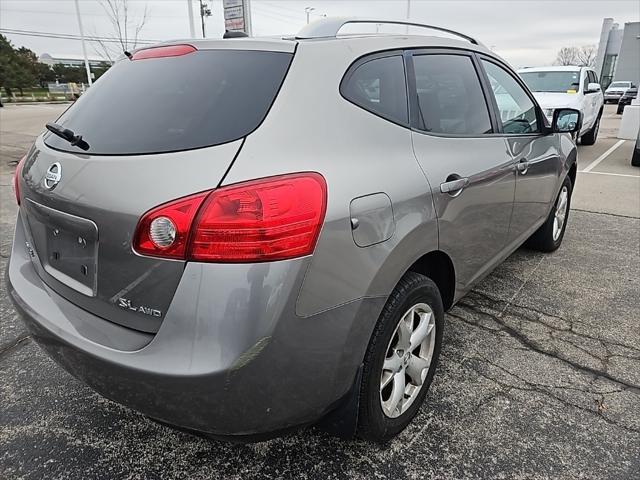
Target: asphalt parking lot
539	374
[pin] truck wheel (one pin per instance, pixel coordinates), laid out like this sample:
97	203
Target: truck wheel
590	137
635	157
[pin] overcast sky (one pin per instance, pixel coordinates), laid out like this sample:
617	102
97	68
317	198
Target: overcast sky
526	33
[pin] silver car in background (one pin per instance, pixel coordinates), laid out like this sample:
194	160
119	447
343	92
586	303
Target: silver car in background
243	236
615	90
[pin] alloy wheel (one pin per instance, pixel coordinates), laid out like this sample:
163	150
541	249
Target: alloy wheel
560	213
407	360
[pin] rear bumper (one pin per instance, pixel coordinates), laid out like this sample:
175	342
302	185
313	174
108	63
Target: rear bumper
231	358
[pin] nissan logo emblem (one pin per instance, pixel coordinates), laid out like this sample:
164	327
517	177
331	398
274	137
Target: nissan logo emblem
53	176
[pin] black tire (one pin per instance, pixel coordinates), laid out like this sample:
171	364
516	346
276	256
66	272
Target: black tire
591	136
620	109
373	423
542	240
635	157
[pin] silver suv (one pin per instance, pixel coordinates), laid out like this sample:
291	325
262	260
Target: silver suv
243	236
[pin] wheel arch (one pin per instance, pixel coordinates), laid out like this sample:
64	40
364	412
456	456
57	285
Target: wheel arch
573	168
438	266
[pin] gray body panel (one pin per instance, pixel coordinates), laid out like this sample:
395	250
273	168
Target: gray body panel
230	357
113	192
473	224
537	186
251	348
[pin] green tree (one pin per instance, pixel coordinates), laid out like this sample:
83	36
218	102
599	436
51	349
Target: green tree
15	66
66	74
44	74
41	72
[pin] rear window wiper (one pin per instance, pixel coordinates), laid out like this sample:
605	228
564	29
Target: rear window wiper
68	135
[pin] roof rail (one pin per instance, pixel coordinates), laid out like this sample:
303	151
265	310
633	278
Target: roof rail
329	27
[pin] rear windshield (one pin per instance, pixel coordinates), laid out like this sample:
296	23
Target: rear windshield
555	82
619	85
168	104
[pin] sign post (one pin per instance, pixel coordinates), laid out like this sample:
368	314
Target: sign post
237	16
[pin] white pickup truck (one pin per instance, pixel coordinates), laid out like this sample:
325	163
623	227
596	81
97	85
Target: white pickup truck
568	87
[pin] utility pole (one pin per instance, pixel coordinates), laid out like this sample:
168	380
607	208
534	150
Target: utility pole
84	47
308	10
192	30
408	13
205	11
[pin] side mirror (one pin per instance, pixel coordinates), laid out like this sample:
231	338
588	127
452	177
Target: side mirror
593	88
566	120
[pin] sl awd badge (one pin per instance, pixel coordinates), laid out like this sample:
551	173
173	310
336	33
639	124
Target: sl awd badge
126	303
53	176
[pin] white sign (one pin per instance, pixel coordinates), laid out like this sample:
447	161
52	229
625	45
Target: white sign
237	15
234	24
233	12
231	3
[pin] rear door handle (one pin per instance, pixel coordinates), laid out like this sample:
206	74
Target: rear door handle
522	166
454	185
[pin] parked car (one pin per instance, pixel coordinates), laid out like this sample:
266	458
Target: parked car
635	158
615	90
568	87
626	98
186	249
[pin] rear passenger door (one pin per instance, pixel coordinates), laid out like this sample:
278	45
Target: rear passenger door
589	100
595	98
470	171
537	160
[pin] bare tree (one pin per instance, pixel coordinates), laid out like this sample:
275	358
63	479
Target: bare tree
126	29
586	56
567	56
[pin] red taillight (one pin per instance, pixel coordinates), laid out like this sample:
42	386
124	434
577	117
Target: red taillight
161	52
269	219
181	213
274	218
16	179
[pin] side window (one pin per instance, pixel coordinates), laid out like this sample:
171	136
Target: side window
449	95
379	86
585	82
592	77
517	111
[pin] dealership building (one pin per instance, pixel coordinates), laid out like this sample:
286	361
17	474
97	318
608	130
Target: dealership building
618	56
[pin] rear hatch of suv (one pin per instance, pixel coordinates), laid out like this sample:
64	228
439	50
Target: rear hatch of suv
161	124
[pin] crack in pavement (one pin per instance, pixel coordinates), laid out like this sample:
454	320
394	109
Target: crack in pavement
605	213
479	308
8	347
503	329
543	389
527	278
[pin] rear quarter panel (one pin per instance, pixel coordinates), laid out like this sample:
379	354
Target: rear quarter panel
311	127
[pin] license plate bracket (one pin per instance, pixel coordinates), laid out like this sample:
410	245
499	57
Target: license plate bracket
66	245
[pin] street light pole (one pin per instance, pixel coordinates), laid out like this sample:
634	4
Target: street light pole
192	30
84	47
408	13
308	10
202	19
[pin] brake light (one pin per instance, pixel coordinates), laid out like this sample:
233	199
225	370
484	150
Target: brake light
274	218
161	52
16	179
269	219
